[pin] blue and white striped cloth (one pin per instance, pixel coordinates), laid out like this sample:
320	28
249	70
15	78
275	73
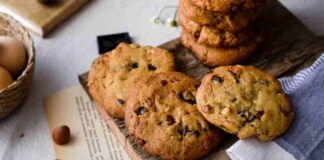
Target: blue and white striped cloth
304	140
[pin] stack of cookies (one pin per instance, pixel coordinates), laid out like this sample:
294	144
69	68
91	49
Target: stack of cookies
221	32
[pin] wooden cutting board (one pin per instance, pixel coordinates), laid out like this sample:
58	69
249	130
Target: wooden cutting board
289	47
41	19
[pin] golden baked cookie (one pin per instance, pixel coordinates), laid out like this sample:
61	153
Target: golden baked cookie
162	116
216	56
228	6
113	74
97	77
233	22
216	37
245	101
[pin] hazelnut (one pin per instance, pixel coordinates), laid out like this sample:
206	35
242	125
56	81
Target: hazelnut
61	134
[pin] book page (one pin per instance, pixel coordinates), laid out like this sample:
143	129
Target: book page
91	139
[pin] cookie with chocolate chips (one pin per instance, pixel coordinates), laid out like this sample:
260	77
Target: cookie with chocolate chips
228	6
113	74
162	116
211	35
245	101
212	56
233	22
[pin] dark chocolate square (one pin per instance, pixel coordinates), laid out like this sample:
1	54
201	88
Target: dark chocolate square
107	43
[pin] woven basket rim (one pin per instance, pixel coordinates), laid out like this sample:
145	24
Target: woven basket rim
31	56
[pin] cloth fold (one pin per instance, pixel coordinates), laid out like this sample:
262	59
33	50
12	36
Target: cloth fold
305	138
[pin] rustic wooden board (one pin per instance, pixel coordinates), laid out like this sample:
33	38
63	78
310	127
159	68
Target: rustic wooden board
40	18
289	48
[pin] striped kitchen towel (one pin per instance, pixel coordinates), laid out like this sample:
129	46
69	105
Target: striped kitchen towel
304	140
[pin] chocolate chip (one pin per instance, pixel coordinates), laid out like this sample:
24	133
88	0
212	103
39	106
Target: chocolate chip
181	96
191	101
241	113
120	101
247	115
170	120
183	132
164	82
208	109
196	133
235	76
151	67
260	114
159	123
251	118
133	65
234	100
197	34
187	97
141	110
217	79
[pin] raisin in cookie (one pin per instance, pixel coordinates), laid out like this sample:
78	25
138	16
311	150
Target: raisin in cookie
230	22
228	6
162	116
115	73
216	37
245	101
212	56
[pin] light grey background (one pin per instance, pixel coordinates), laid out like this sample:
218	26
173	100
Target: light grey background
69	51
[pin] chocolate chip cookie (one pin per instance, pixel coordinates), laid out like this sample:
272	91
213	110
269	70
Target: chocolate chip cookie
233	22
228	6
113	74
245	101
162	116
215	56
213	36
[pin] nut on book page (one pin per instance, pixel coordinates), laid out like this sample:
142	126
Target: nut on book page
78	128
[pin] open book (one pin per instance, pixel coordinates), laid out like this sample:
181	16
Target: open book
39	18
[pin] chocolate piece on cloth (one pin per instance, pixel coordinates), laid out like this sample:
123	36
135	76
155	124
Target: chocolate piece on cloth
305	138
109	42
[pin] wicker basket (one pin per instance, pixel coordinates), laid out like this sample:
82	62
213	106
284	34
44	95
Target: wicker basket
12	96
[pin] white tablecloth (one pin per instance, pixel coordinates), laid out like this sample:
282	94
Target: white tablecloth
69	51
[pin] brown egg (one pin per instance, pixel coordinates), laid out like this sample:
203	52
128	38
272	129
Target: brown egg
5	78
61	135
13	55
